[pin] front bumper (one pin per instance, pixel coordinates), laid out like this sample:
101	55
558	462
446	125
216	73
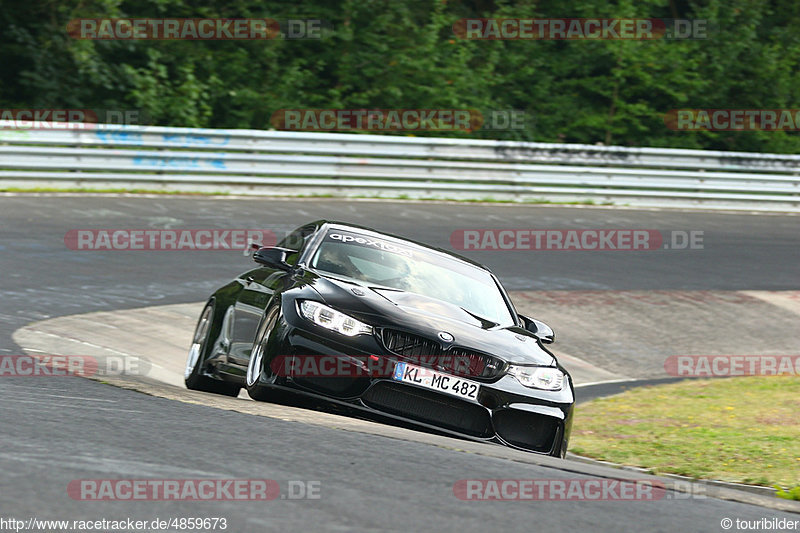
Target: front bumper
505	411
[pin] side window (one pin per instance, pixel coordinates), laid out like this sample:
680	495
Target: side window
296	240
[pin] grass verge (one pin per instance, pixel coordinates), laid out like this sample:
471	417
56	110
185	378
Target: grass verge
744	430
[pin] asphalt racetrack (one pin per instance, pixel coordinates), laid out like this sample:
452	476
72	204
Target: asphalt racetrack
737	291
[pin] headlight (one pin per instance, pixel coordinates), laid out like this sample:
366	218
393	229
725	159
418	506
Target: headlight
538	377
324	316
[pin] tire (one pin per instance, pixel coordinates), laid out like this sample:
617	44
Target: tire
192	375
255	367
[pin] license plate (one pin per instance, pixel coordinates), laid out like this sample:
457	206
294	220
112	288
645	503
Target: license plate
431	379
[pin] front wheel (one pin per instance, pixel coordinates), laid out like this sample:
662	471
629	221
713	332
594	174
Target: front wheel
192	374
255	367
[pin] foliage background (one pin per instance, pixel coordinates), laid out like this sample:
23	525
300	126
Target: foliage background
403	54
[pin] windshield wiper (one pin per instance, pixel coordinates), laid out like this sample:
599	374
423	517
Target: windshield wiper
485	322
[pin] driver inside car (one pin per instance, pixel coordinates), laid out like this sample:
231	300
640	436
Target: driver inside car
333	259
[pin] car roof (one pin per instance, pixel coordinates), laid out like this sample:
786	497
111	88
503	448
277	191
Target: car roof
363	229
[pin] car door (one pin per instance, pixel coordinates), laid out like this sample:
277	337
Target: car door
258	288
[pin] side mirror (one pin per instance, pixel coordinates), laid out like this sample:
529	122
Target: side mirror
272	257
542	331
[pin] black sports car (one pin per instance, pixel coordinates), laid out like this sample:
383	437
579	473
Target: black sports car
390	326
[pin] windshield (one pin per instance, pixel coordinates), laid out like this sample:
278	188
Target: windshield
412	269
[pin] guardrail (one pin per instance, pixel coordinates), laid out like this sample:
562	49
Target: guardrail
264	162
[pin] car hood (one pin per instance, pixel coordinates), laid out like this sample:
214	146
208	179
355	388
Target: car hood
425	316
